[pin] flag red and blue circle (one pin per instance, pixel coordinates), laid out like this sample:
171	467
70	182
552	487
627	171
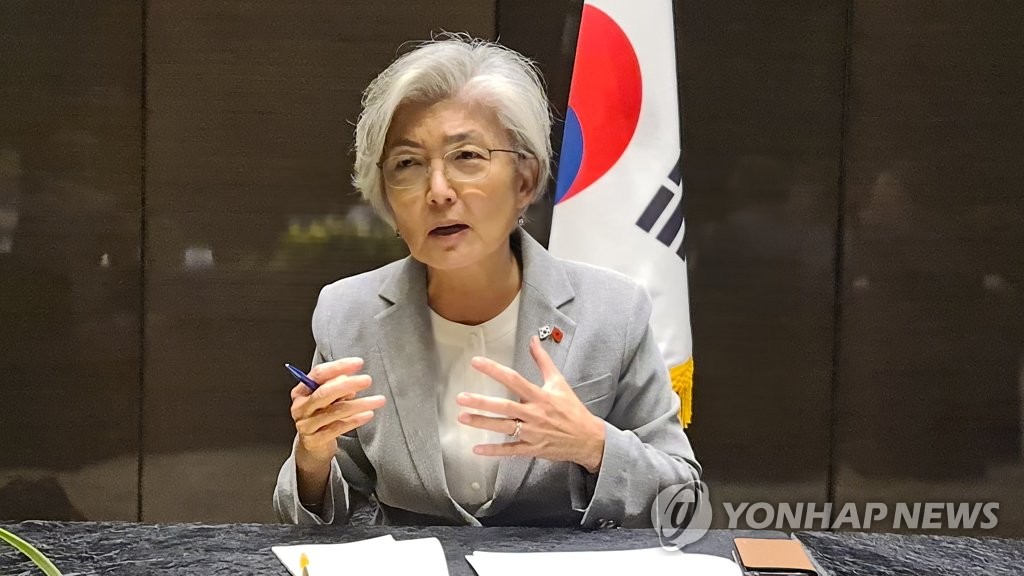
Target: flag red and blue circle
604	103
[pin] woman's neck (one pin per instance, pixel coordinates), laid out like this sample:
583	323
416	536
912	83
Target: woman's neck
475	294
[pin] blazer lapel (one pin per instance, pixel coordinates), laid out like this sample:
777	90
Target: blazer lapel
410	361
545	288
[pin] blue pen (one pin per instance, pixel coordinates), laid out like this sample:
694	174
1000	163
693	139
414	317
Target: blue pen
302	377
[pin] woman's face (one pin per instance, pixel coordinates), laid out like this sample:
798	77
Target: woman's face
449	224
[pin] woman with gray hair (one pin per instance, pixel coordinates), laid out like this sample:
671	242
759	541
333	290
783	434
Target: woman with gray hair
480	380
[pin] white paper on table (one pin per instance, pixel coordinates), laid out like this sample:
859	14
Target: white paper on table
328	554
611	562
421	556
383	555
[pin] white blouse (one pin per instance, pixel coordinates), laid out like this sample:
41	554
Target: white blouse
470	477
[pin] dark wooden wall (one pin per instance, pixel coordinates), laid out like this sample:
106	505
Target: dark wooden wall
174	188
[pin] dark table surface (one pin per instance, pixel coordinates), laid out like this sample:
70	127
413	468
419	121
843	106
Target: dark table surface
125	548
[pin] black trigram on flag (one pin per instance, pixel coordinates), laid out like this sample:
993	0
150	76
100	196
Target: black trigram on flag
670	230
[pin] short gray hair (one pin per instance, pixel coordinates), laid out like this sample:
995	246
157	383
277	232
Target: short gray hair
454	66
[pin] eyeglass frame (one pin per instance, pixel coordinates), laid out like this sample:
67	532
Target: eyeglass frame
519	153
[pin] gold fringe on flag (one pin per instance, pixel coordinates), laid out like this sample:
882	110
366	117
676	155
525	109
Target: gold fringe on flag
682	383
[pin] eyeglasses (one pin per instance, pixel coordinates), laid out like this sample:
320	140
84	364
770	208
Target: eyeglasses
465	164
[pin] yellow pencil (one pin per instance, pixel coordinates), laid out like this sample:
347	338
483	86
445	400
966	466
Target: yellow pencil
304	563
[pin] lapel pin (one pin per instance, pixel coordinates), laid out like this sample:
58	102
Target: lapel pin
553	332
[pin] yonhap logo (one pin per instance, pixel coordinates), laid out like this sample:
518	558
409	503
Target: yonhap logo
681	514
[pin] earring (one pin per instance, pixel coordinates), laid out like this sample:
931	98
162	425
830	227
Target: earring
522	220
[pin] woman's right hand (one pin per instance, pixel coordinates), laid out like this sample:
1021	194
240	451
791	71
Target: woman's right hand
332	410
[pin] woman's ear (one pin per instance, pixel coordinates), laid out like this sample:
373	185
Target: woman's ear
526	181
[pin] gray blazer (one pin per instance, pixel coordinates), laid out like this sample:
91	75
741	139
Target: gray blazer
608	355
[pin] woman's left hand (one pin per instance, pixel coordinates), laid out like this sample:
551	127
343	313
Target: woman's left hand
553	423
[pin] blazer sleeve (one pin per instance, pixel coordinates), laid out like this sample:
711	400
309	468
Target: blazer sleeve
341	496
352	477
645	448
